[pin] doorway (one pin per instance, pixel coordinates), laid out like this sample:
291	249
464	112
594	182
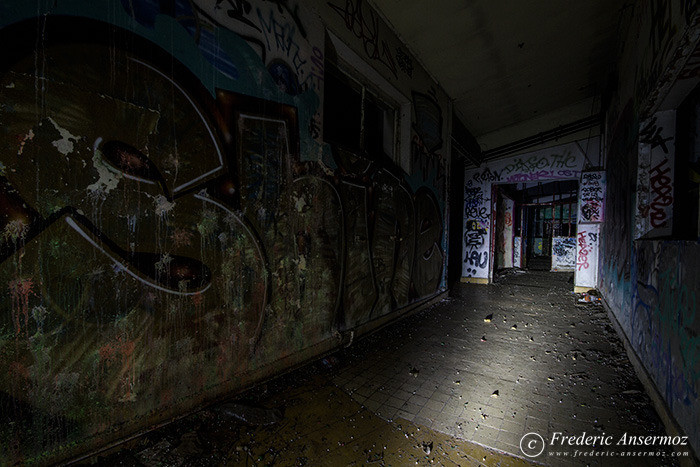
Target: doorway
535	225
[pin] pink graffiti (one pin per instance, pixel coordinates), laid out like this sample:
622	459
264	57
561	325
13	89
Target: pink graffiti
543	175
583	250
19	291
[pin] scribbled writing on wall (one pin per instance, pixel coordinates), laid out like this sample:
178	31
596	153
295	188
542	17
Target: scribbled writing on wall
404	60
476	257
363	22
664	328
563	253
477	209
584	248
542	165
586	260
661	192
280	37
592	197
427	138
475	205
508	219
655	174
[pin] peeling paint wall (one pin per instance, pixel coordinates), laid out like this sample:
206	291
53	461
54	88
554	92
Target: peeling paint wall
504	232
174	228
517	252
651	285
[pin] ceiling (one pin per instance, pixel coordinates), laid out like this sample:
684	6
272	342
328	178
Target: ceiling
514	68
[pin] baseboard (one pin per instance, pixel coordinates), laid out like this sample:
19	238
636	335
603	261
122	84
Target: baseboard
379	323
672	427
475	280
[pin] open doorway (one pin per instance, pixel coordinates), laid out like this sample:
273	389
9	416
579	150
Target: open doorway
535	225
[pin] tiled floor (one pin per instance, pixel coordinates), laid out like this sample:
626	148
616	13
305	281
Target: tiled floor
500	361
458	384
320	426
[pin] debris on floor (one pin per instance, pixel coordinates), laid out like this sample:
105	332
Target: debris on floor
250	414
375	406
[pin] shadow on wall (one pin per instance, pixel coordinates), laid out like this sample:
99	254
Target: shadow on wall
162	246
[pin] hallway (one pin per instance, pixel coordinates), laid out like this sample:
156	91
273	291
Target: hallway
468	377
272	200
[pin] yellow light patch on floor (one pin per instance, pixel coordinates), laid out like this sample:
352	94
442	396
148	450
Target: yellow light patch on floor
322	426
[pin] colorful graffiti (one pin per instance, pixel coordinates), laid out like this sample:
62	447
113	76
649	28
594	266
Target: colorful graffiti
165	240
566	163
664	329
587	252
655	174
477	209
650	284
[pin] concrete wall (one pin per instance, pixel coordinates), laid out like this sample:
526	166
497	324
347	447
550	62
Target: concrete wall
651	285
174	226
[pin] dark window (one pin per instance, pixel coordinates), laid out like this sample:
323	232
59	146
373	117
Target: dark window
342	111
356	118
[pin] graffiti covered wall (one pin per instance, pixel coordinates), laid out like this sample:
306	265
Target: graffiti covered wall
591	197
587	245
174	227
563	253
563	162
517	252
655	174
651	285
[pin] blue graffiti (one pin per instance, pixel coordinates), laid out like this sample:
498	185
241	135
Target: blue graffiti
146	12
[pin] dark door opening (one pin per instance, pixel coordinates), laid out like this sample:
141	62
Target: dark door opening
535	225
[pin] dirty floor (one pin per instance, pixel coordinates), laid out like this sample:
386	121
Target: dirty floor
458	384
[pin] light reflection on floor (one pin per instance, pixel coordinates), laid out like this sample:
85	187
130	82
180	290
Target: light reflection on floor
459	384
